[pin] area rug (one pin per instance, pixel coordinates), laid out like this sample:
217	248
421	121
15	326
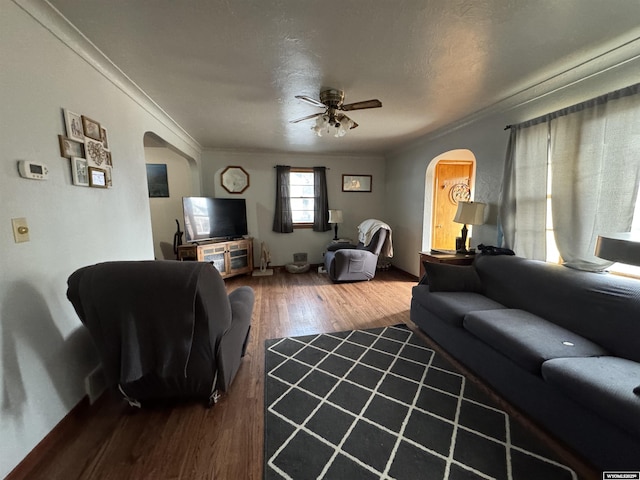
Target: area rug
379	404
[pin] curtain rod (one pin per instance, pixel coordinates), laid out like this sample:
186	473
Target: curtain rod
616	94
276	166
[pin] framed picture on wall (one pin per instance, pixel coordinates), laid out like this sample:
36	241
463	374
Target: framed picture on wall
104	137
97	177
80	171
91	128
70	148
356	183
157	180
73	124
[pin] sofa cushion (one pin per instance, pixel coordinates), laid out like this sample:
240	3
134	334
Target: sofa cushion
451	307
451	278
603	384
527	339
601	307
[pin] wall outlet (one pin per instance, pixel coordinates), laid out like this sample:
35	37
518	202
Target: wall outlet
95	384
300	257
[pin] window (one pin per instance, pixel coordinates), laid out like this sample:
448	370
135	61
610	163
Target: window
301	187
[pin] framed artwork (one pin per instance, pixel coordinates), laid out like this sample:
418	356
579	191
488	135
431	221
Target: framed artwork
109	174
97	177
109	160
73	124
70	148
356	183
104	137
80	171
91	128
157	180
95	153
234	179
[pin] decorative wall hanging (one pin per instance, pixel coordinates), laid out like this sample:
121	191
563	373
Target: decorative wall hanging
97	177
80	171
356	183
87	146
70	148
73	123
460	192
91	128
234	179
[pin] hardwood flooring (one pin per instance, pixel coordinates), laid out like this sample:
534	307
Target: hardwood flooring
111	440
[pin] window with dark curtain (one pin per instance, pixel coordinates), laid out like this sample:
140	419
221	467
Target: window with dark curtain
321	204
282	221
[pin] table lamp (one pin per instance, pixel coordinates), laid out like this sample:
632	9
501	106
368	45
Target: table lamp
468	213
335	217
619	247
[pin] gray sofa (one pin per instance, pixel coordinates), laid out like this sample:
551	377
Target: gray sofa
561	345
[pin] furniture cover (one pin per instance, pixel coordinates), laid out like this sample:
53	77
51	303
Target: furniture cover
163	329
345	262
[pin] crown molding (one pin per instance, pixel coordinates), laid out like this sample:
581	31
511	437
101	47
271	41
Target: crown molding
620	61
52	20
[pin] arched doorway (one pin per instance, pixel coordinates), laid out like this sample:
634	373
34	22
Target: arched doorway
450	178
182	181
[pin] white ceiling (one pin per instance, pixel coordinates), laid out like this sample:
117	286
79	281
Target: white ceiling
227	71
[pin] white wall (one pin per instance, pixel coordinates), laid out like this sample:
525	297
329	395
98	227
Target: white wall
260	197
45	351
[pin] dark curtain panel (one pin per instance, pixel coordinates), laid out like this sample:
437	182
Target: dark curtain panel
321	203
282	221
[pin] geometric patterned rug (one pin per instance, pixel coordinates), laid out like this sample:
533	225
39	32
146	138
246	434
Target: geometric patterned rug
379	404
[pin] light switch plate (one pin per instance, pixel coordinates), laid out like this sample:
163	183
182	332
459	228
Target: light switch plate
20	229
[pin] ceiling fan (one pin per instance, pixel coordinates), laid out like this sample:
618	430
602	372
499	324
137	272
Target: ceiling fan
331	120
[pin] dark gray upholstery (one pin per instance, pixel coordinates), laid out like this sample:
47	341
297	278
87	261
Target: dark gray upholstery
163	329
527	339
451	307
582	394
355	263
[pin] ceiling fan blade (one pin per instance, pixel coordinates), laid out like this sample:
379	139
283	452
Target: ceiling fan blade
361	105
354	125
312	101
306	118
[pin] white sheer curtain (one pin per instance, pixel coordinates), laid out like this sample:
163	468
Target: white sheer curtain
594	153
523	203
595	164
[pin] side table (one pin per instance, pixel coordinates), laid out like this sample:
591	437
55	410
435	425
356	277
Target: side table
448	258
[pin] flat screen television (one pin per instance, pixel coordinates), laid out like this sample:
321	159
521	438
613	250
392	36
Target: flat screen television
207	218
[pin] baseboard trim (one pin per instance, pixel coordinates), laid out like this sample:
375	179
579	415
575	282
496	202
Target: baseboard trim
49	442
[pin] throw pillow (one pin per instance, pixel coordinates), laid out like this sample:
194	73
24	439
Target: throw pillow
452	278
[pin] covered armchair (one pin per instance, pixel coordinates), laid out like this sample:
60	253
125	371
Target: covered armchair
349	263
163	329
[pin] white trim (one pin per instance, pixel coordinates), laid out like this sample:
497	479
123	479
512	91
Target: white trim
53	21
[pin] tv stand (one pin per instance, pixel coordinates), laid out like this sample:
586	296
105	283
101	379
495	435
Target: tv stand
230	257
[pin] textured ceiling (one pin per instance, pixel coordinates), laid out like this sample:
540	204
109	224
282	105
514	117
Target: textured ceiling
228	71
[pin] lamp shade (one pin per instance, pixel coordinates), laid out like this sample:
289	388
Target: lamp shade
619	247
335	216
470	213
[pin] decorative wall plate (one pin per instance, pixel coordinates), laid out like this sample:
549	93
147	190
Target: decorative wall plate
234	179
460	192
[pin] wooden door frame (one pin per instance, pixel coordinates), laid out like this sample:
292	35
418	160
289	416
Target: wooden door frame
459	155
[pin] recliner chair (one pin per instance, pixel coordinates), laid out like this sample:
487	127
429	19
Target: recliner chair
350	263
163	329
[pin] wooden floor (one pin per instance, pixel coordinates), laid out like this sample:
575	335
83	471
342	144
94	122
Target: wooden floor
111	440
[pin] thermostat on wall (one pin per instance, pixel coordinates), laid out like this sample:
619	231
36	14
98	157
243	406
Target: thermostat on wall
33	170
